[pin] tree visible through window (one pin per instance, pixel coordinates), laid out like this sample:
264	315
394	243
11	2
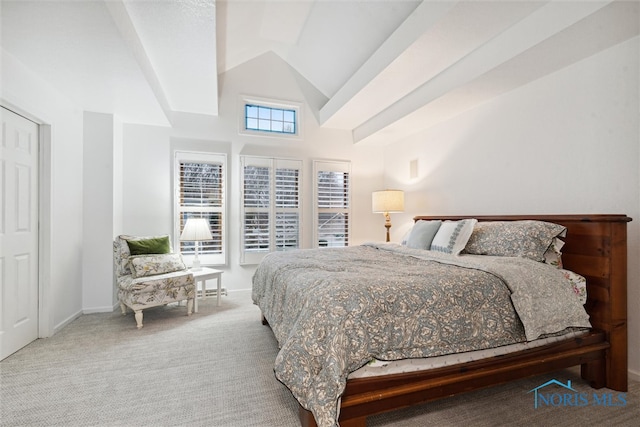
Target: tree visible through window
257	206
200	185
269	119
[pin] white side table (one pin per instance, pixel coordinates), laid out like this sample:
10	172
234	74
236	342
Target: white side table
202	276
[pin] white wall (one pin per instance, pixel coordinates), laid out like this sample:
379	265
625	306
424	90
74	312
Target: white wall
118	189
31	96
148	154
566	143
146	180
100	136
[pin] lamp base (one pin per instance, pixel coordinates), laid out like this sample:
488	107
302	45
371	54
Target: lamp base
387	224
195	266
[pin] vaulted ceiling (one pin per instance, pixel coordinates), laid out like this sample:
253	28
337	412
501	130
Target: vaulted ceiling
388	68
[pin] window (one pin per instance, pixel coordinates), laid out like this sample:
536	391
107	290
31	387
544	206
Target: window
265	117
332	195
270	210
200	181
269	119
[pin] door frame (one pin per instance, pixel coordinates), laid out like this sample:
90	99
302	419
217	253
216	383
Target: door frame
45	303
45	312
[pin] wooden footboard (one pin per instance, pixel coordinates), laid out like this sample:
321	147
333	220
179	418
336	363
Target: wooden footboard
596	247
368	396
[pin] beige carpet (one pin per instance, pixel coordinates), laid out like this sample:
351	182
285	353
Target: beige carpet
216	369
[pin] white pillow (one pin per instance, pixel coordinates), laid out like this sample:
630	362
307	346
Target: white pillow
452	236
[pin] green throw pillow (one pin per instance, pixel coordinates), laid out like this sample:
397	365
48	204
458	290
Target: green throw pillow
156	245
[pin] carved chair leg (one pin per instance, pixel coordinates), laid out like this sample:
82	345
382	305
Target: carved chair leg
123	308
189	306
139	318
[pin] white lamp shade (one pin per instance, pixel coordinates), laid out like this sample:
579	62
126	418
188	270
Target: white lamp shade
386	201
196	230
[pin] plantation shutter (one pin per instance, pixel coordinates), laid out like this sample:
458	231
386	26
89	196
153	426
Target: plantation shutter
287	183
200	188
270	207
333	198
257	205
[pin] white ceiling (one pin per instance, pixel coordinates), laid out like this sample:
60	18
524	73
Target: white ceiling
388	68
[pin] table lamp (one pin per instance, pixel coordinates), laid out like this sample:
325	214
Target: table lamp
386	202
196	230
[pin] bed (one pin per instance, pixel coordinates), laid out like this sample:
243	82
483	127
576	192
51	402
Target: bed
595	247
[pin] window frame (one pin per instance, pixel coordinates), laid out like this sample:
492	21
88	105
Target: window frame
263	109
296	107
254	257
201	157
338	166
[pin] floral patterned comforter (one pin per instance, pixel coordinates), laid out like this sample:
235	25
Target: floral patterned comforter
334	309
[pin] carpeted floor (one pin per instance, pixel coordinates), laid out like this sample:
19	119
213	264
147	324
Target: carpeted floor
216	369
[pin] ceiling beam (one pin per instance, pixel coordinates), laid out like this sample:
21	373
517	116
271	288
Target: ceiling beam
336	113
436	96
120	15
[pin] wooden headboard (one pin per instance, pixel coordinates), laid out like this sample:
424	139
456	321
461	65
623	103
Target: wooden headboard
596	248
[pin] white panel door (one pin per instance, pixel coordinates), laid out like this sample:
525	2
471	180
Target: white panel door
18	233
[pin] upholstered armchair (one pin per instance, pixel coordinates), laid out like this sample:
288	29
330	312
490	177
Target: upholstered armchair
148	274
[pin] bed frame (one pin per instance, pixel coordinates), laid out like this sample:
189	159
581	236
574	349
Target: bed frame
596	247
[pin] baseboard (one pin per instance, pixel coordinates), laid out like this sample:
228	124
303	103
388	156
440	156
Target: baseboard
107	309
65	322
634	375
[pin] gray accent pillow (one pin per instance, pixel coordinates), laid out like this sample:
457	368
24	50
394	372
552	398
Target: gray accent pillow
527	238
422	234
